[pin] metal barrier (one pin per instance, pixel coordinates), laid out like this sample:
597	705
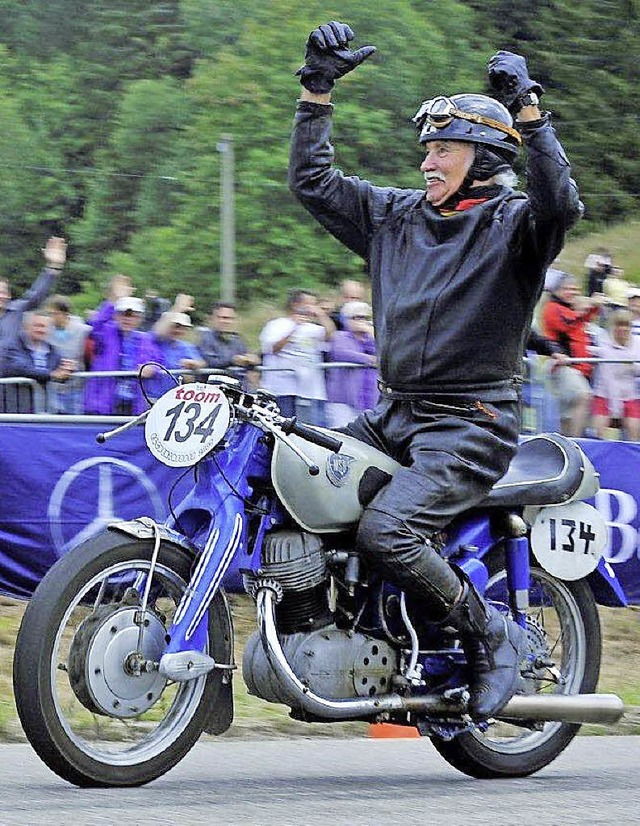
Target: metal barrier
21	398
22	395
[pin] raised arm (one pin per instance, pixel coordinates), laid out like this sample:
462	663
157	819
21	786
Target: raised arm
553	195
55	255
339	203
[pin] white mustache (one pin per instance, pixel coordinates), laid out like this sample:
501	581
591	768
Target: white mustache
434	176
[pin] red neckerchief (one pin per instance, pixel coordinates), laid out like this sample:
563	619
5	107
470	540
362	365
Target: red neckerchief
461	206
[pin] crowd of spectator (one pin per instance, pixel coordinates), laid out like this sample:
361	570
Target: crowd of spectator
594	342
318	358
129	350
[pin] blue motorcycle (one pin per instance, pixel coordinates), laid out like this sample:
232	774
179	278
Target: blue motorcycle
126	656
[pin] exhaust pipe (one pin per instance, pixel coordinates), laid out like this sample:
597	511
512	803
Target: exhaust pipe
568	708
565	708
538	708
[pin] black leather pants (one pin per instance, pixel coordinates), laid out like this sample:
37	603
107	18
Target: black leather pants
452	453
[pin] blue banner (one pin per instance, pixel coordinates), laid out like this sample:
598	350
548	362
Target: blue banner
618	500
60	486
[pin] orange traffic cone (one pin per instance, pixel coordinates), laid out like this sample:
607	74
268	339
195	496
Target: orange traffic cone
391	730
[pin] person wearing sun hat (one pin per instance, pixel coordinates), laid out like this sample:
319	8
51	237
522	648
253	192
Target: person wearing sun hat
177	352
118	345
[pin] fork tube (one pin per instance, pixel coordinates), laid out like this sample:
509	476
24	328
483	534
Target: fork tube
227	538
518	573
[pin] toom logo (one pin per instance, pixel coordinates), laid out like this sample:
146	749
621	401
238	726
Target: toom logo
204	396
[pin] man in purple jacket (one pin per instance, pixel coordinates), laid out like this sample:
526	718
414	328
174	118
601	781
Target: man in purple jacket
350	390
119	345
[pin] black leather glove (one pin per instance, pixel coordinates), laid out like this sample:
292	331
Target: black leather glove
328	57
509	80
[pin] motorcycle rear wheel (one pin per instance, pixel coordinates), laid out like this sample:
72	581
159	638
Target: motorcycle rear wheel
91	720
563	619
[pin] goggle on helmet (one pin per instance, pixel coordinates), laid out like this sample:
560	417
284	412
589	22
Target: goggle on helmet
470	117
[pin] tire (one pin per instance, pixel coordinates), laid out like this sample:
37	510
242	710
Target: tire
90	720
569	629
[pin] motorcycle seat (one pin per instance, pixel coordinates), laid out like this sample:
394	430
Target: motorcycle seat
548	469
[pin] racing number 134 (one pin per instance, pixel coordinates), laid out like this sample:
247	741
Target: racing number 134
564	531
192	412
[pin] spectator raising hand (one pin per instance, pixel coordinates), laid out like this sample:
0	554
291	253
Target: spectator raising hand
176	351
11	312
118	345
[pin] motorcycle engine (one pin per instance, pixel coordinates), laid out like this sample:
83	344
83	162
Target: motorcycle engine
333	663
298	562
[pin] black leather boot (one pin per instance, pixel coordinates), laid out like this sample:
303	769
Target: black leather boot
494	646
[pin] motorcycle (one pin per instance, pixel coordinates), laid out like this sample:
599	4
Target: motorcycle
125	655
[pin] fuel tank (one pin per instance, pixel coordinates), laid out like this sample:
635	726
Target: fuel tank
333	500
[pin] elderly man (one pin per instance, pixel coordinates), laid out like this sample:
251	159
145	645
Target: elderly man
32	356
11	311
456	274
176	351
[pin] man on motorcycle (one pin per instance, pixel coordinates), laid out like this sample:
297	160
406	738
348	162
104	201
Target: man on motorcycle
456	274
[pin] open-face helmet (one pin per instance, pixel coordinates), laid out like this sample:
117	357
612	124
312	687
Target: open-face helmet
469	117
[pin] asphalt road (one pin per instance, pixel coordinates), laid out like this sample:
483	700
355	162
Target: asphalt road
333	782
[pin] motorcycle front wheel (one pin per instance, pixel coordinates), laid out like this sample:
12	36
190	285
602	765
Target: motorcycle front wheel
90	714
563	629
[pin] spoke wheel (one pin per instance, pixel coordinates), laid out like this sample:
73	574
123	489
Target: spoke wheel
89	696
564	636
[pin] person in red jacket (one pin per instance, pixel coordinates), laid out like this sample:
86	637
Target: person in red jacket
564	321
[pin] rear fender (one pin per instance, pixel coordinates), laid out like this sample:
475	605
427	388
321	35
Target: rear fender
606	587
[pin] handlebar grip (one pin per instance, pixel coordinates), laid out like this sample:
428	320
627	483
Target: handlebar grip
316	437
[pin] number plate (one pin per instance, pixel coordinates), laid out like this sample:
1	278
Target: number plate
186	423
568	540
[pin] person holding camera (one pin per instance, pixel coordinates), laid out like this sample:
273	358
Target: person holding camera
292	351
598	265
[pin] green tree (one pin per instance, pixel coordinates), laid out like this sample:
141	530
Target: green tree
586	56
136	186
32	203
113	111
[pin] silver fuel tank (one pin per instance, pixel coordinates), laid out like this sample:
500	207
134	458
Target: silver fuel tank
328	502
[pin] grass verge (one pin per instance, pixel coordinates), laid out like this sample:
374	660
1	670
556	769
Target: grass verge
620	675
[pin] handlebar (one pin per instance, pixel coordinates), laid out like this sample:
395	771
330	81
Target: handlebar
101	438
310	434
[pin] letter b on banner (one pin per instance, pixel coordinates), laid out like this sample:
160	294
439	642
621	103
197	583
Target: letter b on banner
619	510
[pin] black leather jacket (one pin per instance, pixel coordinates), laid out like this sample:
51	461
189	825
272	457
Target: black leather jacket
453	296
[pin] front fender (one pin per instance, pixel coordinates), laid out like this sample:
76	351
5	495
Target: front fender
606	587
221	713
145	528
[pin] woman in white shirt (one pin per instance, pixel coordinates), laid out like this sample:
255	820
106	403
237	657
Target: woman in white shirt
615	392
